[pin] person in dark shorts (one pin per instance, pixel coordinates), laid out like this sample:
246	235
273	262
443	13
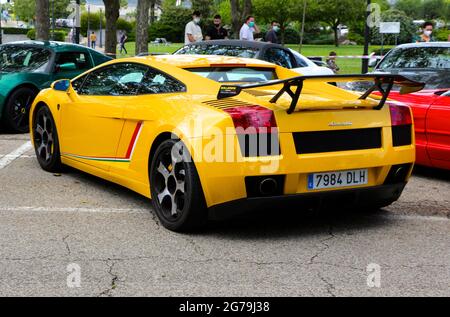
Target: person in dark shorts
216	31
123	39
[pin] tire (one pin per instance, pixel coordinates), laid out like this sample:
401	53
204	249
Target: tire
46	142
16	112
177	194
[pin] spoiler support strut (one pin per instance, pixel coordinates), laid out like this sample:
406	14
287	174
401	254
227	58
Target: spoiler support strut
407	86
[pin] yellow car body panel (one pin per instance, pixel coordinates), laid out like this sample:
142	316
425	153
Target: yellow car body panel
111	137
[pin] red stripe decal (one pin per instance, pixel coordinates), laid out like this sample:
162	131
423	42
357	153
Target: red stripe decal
133	139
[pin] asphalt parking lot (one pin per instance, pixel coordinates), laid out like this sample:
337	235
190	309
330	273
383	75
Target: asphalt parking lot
51	223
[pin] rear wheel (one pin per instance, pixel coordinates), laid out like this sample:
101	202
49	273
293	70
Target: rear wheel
17	110
176	190
45	138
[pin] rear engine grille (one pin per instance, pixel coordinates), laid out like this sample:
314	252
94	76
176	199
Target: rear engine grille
259	93
339	140
401	135
227	103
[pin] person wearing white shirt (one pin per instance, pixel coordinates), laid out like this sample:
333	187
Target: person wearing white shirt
193	31
248	29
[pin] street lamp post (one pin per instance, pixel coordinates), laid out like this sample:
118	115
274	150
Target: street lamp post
88	25
101	35
1	13
77	21
365	61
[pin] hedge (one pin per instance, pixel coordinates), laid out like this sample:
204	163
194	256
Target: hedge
15	31
60	35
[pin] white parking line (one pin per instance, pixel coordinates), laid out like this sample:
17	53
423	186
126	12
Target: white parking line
146	210
9	158
73	209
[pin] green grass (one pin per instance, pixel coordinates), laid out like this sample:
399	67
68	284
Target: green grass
347	66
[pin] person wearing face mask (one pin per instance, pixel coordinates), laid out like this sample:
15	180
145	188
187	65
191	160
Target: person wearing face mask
216	31
426	35
248	29
271	35
193	31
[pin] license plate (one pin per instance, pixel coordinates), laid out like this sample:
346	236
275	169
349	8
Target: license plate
338	179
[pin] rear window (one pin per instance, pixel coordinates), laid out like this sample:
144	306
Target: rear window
224	50
236	74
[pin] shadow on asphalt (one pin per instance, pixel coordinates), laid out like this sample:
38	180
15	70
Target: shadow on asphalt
430	172
283	223
261	224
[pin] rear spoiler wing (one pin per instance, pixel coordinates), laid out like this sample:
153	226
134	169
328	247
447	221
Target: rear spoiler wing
388	80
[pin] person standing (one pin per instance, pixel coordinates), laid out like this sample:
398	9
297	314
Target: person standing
331	62
271	35
427	31
216	31
93	39
193	31
248	29
123	39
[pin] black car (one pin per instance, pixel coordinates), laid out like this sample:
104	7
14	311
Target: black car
270	52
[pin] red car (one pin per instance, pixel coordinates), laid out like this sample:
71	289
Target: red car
428	63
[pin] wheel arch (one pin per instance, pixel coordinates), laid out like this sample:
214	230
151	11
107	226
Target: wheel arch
12	90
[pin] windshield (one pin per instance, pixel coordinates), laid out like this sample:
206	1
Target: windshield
25	59
429	65
417	58
236	74
224	50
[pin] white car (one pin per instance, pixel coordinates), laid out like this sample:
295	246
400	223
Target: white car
269	52
311	68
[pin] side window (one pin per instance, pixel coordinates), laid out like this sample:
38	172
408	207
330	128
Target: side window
279	57
158	83
80	60
300	62
115	80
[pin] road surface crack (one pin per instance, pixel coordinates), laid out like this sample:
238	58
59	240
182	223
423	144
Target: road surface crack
329	286
64	239
114	279
325	246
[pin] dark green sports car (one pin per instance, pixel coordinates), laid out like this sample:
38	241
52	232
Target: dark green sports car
27	67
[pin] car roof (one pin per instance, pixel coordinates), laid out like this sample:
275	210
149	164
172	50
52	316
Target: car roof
240	43
425	44
186	61
52	45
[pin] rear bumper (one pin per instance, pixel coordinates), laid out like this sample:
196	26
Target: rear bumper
375	196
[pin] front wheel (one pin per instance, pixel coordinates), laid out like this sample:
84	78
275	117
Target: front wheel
45	138
177	195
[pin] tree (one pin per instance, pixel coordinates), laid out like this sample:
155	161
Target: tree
25	10
407	28
142	19
435	9
240	9
42	20
335	13
412	8
112	8
283	11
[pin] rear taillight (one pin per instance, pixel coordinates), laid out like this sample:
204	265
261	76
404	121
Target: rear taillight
252	119
256	129
400	115
401	122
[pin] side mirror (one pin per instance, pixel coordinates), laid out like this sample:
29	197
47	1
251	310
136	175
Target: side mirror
62	85
66	67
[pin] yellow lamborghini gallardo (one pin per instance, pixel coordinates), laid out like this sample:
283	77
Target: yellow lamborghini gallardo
211	136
